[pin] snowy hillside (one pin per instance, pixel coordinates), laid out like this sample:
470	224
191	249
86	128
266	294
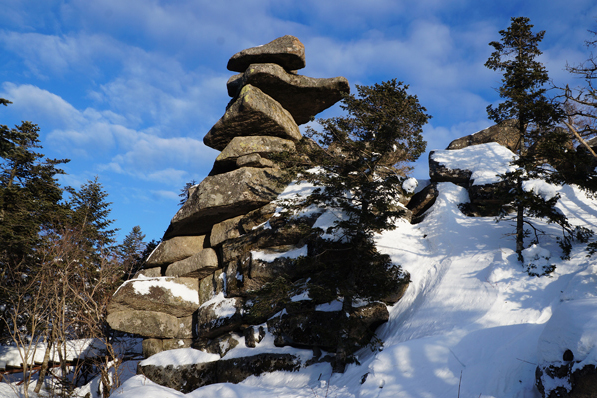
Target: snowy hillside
471	324
470	320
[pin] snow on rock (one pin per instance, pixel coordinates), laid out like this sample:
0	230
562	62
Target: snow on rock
269	257
179	356
143	286
485	161
223	307
410	185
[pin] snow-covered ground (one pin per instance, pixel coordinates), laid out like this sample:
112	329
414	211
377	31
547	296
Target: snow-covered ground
471	324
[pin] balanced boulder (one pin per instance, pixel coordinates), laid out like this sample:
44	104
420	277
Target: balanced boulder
286	51
252	113
302	96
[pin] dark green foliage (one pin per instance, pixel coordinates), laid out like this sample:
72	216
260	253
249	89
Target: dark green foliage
132	251
542	143
362	162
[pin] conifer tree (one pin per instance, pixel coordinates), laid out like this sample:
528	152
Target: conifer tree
360	174
537	115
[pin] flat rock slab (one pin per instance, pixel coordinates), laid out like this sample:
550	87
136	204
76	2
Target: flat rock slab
252	113
505	133
175	249
439	172
198	266
286	51
187	378
225	196
261	145
302	96
151	324
175	296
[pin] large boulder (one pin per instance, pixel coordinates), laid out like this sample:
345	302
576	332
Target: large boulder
151	324
252	113
227	229
505	133
321	328
302	96
219	316
240	147
175	296
175	249
286	51
440	172
188	377
198	265
422	201
225	196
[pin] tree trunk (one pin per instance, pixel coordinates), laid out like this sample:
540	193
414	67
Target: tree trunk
519	221
44	366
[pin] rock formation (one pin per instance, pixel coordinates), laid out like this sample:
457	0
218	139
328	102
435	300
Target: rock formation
221	272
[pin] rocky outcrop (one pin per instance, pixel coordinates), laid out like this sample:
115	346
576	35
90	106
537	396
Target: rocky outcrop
227	247
505	133
224	196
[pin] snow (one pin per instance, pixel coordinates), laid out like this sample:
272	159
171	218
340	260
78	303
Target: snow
541	188
223	307
472	323
485	161
180	356
410	184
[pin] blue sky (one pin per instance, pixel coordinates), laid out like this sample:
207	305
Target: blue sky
127	89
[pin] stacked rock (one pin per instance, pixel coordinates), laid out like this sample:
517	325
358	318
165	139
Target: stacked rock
189	292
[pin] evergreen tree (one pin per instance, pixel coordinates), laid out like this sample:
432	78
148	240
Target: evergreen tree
541	143
131	251
362	167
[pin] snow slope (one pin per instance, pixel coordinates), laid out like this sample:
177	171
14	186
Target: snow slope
470	321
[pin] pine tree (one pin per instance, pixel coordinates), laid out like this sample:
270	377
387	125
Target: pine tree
131	251
541	142
361	170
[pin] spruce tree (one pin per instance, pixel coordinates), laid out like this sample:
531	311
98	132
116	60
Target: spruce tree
537	116
362	165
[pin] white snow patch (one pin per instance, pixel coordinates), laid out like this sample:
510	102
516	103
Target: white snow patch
223	307
335	305
179	356
410	184
485	161
541	188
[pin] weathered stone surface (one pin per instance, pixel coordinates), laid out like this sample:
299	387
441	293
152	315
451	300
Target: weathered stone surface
155	272
238	369
286	51
322	329
187	378
580	383
227	229
173	344
253	160
423	200
222	344
393	298
262	145
151	347
211	286
256	217
150	324
225	196
175	249
440	173
178	297
183	378
219	317
302	96
197	266
252	113
505	133
253	336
